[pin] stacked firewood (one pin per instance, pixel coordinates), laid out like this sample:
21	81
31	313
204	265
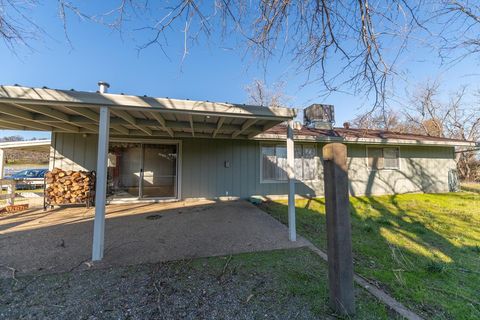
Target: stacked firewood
69	187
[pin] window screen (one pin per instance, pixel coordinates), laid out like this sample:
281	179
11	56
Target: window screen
391	159
310	163
298	162
269	163
383	158
281	153
274	162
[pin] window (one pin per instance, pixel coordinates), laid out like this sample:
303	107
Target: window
383	158
274	162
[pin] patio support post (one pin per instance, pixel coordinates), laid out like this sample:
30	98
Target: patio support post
2	163
101	185
292	233
339	239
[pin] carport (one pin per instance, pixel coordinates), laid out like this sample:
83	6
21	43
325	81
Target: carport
122	116
34	145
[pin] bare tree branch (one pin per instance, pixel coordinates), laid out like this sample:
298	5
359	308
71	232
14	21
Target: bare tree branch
428	114
260	94
343	45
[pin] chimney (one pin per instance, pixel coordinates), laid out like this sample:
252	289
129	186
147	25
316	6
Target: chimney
346	125
319	116
103	86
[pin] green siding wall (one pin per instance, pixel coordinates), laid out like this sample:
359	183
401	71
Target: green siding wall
74	151
422	169
204	175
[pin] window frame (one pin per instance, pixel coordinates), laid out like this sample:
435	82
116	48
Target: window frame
384	168
275	144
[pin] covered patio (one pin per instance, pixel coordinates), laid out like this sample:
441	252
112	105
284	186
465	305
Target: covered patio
123	117
57	241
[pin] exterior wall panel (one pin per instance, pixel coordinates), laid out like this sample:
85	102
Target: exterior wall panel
422	169
204	174
74	151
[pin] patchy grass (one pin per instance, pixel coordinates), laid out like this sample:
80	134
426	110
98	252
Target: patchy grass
422	248
282	284
21	199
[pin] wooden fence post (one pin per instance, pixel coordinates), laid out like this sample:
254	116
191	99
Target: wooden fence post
11	187
2	164
339	238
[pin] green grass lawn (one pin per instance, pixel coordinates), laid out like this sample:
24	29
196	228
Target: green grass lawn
424	249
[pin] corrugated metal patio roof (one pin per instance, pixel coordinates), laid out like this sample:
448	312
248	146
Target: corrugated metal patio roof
30	145
363	136
43	109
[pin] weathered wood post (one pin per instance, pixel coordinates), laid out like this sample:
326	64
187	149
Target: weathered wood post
2	163
339	238
11	189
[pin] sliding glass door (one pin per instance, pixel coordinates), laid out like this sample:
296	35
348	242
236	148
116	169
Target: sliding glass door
142	170
124	168
159	174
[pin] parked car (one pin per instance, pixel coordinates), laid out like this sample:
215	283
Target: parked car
32	177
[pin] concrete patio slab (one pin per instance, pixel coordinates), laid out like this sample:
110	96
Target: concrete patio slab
61	239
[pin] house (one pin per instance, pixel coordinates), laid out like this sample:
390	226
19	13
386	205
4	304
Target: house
153	149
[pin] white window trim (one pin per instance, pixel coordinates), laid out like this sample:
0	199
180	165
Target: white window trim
263	181
383	169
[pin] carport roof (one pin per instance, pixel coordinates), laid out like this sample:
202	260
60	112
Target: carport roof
44	109
31	145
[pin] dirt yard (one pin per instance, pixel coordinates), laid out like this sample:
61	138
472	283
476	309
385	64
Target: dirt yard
60	240
282	284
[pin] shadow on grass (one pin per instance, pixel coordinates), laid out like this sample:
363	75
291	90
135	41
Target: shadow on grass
424	249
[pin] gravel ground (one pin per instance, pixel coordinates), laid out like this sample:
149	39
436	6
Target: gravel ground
166	291
267	285
59	240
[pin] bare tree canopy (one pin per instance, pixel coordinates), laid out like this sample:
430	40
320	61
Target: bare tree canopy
261	94
344	45
429	113
388	120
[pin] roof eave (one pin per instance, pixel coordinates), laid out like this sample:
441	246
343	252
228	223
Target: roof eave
281	137
410	142
26	95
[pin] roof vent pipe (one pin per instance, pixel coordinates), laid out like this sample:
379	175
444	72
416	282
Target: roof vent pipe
103	86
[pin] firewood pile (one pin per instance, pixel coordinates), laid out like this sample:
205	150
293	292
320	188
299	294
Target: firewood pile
15	208
69	187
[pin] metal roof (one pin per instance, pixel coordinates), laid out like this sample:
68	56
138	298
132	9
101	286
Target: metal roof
360	136
31	145
43	109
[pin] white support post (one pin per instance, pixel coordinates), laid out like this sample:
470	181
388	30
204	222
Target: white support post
2	163
292	232
101	185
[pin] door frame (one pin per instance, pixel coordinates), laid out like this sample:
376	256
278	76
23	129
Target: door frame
179	168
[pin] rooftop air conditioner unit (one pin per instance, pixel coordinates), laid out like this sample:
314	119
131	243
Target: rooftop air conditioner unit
319	116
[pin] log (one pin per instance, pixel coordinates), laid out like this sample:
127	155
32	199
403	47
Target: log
69	187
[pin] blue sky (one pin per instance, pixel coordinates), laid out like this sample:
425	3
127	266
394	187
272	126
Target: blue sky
214	70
